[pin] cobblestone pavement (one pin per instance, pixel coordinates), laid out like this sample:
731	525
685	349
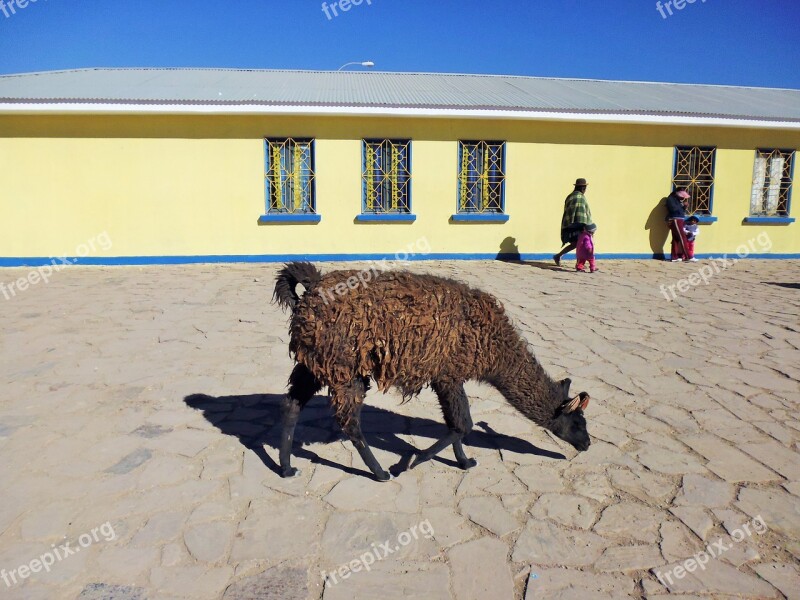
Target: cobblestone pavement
694	421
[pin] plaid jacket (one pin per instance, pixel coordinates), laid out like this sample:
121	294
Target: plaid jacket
576	210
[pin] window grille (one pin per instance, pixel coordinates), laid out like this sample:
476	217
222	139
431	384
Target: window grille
386	176
481	177
289	176
772	183
694	170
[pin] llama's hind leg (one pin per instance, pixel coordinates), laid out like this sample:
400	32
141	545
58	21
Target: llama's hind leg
347	402
302	387
455	409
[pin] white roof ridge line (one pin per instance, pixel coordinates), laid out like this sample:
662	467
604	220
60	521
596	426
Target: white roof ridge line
544	115
399	73
130	104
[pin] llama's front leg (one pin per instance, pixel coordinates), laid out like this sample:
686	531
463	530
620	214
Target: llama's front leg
463	462
455	409
347	402
302	387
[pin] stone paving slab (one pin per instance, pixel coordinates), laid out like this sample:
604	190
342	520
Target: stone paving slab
140	413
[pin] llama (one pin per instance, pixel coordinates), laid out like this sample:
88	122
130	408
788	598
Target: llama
407	331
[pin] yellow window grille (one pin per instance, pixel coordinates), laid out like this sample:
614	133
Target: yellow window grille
393	177
694	170
370	174
481	177
463	187
294	178
276	176
485	181
289	176
387	176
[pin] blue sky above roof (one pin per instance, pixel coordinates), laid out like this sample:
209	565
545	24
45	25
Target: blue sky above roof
737	42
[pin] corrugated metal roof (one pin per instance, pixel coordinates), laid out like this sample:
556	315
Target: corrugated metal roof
400	90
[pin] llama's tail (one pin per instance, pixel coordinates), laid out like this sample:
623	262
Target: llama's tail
289	276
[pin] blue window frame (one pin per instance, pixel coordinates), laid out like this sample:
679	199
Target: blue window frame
386	177
289	176
481	177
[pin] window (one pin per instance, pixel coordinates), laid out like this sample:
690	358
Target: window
289	176
694	170
481	177
772	183
386	177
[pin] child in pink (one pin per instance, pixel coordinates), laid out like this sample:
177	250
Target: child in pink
691	230
585	249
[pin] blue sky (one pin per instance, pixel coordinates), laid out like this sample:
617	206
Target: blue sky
739	42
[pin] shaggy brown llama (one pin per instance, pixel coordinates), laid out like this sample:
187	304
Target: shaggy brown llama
406	331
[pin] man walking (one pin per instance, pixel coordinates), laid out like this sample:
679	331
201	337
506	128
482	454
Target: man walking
576	215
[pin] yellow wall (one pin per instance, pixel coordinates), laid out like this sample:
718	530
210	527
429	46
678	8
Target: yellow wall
163	186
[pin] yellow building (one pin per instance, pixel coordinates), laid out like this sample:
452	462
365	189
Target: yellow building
137	166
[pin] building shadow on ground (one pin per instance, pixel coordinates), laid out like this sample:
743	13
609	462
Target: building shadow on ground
255	420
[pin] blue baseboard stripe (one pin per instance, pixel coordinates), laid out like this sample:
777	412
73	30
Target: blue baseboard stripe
272	258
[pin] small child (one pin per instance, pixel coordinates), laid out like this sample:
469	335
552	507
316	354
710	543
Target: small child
691	229
585	249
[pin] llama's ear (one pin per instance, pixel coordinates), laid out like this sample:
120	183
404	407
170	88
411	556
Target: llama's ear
584	400
565	383
572	405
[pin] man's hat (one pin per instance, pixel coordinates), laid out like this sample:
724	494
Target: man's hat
591	227
579	182
692	218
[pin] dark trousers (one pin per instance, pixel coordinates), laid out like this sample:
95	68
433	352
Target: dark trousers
679	241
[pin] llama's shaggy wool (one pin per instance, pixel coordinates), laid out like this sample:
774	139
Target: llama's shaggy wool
406	330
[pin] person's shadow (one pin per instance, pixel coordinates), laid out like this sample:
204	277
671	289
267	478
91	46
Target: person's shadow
658	228
508	250
256	420
547	266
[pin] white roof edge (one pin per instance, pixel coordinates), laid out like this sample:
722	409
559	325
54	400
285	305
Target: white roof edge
93	108
423	73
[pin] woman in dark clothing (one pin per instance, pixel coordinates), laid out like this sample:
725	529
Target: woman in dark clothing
676	213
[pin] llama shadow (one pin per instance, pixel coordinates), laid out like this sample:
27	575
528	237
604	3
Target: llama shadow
509	251
658	228
255	420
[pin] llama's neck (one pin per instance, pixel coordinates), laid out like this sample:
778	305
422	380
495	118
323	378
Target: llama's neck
524	383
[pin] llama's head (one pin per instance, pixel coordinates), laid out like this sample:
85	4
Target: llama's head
568	422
